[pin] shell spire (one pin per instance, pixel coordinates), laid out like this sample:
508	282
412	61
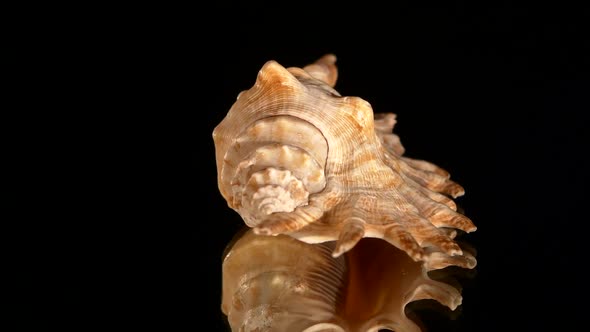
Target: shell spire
295	157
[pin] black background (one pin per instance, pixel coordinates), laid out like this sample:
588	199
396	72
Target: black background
494	93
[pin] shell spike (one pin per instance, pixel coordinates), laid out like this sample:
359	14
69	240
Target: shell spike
273	75
352	232
324	69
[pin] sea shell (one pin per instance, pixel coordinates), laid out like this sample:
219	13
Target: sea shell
294	157
282	284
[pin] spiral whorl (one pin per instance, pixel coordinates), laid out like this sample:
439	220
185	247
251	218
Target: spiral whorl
273	166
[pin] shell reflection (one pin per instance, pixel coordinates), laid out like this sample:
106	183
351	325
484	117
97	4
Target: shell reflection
277	283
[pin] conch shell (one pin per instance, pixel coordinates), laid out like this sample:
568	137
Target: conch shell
282	284
294	157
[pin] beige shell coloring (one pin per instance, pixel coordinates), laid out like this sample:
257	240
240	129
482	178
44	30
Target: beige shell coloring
294	157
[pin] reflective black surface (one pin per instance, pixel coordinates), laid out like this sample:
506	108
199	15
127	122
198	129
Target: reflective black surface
288	285
493	92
